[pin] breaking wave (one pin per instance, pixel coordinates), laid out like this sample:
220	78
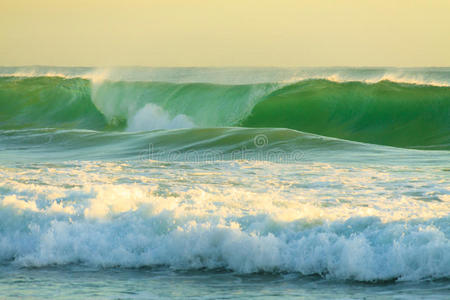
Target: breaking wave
385	112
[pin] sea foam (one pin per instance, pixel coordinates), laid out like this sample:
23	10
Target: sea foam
92	216
152	117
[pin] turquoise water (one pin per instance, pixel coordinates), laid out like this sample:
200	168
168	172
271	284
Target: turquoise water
224	183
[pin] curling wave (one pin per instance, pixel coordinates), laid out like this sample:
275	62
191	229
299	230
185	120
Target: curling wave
387	113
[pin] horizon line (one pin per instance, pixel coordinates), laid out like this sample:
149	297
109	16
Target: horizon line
222	67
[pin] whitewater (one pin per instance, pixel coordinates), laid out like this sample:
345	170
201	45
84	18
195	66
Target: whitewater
224	182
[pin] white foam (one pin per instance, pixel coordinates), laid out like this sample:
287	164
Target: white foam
152	117
247	223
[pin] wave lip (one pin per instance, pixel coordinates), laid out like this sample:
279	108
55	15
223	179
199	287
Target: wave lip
235	76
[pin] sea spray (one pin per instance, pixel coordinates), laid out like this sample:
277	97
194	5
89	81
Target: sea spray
152	117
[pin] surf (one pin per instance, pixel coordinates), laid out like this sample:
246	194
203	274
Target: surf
386	113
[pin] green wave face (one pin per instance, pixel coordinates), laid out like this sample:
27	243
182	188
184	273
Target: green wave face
207	105
47	102
387	113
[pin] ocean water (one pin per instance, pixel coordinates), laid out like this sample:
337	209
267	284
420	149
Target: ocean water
145	183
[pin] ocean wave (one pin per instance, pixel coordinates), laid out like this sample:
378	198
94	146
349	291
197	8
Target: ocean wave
385	113
388	113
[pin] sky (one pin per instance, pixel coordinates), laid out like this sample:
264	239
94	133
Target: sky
197	33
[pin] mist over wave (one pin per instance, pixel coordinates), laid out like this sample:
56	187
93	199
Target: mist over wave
236	75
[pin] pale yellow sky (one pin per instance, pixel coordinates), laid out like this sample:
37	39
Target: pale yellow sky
225	33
